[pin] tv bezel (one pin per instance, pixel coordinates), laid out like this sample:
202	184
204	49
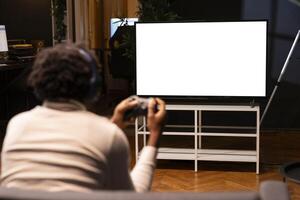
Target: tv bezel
202	97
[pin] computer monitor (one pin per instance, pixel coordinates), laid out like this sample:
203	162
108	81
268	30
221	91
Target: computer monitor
3	39
116	22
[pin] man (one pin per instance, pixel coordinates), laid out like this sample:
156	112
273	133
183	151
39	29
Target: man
62	146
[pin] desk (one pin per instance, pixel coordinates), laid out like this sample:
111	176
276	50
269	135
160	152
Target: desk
14	94
7	67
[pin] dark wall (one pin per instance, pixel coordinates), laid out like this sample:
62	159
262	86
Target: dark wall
207	9
27	19
284	22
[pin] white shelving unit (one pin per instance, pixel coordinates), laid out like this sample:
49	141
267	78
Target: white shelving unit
198	153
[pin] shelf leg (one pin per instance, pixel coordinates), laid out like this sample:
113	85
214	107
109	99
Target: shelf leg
257	139
136	140
144	129
200	129
196	140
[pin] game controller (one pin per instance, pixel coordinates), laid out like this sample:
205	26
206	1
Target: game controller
141	109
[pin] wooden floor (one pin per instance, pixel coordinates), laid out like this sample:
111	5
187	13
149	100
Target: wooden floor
214	177
276	148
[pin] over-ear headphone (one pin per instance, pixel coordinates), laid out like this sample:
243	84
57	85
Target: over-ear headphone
96	79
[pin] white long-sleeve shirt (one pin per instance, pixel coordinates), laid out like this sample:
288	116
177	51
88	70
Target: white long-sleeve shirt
74	150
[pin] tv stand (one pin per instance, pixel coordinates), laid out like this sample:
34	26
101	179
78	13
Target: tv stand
198	153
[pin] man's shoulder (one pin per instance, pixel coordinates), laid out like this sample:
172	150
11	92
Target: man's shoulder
101	124
99	121
21	117
104	134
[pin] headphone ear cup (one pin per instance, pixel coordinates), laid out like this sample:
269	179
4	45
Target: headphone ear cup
95	83
95	87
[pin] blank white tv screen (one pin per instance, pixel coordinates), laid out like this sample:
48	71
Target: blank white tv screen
201	59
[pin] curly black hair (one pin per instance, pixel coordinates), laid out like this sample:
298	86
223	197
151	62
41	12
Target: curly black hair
60	73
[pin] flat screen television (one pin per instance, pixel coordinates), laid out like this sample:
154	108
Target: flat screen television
201	59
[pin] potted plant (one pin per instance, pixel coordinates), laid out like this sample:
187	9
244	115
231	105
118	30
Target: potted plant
58	12
148	11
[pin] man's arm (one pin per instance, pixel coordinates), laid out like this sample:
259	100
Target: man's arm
142	173
119	112
120	178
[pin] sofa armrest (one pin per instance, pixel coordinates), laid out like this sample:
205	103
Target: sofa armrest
274	190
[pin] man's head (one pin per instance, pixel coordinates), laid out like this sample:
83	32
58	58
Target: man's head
61	73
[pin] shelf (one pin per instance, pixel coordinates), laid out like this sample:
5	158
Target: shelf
228	134
207	154
212	127
204	134
176	154
197	131
171	133
242	108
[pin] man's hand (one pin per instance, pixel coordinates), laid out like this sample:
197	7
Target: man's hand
155	120
118	116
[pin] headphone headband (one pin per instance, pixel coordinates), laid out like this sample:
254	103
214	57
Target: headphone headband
96	80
